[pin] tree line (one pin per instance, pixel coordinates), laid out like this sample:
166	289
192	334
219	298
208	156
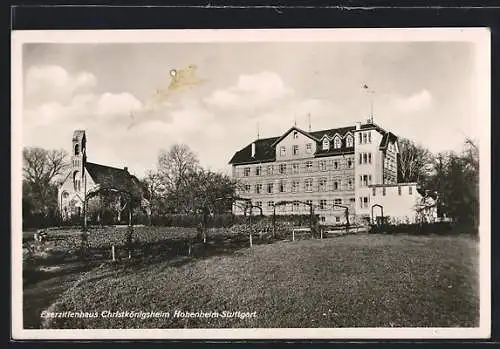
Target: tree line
179	185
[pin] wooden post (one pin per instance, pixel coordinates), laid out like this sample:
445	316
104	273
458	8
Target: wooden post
250	239
293	235
113	253
321	232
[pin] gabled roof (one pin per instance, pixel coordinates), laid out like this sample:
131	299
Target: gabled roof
265	148
111	176
294	128
264	152
387	138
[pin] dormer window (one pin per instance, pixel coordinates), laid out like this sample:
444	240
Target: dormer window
326	144
295	135
349	141
337	143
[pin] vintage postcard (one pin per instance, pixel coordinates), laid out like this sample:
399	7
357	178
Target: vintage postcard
251	184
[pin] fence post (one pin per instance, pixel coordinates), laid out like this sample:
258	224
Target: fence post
113	253
250	239
293	235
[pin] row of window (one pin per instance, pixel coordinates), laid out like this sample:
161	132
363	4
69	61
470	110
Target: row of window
374	191
295	186
365	137
365	158
297	206
295	168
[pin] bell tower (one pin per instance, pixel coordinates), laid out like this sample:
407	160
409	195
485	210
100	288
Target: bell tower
78	158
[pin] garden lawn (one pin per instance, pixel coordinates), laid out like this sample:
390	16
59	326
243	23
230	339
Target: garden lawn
351	281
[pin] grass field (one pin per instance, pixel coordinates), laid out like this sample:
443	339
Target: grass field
351	281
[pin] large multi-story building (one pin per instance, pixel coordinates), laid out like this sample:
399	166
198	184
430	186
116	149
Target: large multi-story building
331	169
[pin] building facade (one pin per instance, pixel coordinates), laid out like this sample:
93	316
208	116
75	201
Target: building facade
335	170
87	177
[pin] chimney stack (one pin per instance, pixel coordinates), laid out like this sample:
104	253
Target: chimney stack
358	125
125	169
253	149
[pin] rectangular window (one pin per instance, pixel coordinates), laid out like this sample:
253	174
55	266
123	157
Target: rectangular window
337	219
337	201
247	188
360	202
365	180
309	148
295	206
360	135
282	151
282	168
410	190
270	188
369	179
282	186
364	138
335	165
308	185
322	184
246	171
258	170
365	158
295	168
295	150
270	169
309	166
374	191
349	163
369	137
352	200
399	190
270	204
365	202
322	204
322	165
360	158
258	203
383	191
258	188
349	183
295	186
336	185
369	158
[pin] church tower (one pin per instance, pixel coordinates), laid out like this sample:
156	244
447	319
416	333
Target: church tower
78	158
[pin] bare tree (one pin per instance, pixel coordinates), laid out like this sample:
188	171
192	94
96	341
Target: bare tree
175	165
413	161
42	170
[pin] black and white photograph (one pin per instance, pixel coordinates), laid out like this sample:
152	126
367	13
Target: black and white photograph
222	184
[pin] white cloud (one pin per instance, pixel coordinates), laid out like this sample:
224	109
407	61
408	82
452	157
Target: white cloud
414	103
251	91
110	104
52	83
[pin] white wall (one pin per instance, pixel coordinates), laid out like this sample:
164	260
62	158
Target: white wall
397	207
289	141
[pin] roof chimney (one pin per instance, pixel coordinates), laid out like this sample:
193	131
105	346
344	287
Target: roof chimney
253	149
125	169
358	125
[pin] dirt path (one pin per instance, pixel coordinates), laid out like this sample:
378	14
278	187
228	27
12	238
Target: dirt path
44	288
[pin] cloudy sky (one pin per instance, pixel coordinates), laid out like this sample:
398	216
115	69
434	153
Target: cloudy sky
423	91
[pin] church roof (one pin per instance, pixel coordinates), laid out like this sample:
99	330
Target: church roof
265	148
107	176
